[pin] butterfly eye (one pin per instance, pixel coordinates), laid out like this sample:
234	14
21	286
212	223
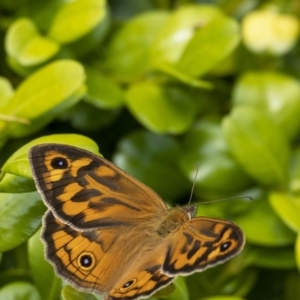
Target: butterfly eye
86	261
59	163
225	246
128	284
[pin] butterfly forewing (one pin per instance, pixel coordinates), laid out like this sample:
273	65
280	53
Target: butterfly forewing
202	243
87	191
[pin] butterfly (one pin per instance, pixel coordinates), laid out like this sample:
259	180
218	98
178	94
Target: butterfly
106	232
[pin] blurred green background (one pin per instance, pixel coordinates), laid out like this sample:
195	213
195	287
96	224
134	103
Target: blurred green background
159	86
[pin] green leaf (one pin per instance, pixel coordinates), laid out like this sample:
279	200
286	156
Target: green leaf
77	18
20	217
102	91
143	154
162	109
268	229
275	93
218	174
258	145
69	293
49	90
6	91
221	33
178	30
25	45
287	208
18	35
128	50
38	50
19	291
43	274
18	163
16	184
52	84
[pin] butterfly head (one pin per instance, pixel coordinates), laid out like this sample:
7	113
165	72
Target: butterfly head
191	211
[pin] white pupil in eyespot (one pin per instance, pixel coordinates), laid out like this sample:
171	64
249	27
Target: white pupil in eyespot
225	246
59	163
128	284
86	261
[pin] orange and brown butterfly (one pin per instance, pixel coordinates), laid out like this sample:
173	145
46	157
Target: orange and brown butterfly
108	233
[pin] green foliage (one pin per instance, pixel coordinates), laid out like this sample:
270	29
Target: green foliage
160	86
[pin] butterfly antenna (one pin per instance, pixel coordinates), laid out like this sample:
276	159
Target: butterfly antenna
193	187
225	199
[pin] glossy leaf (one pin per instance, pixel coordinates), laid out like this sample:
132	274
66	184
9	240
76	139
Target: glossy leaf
128	51
18	35
275	93
6	91
77	18
26	46
221	33
49	90
287	208
162	109
16	184
178	30
258	145
37	51
20	216
48	284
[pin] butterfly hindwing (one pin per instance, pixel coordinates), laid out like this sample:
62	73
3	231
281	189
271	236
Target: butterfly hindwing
93	260
143	283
